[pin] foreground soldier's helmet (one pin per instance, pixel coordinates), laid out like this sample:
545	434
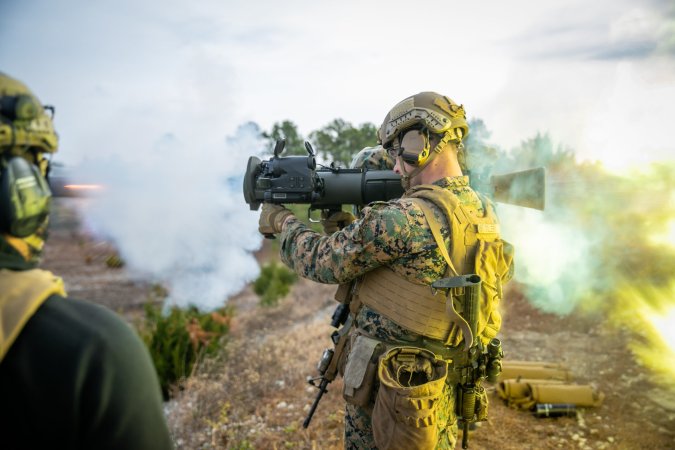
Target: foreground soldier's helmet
24	123
428	112
26	135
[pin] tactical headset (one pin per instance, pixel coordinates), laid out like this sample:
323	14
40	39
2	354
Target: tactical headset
25	197
412	145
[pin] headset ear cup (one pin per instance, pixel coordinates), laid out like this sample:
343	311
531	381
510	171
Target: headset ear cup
25	198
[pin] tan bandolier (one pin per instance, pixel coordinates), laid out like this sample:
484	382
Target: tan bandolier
475	247
21	294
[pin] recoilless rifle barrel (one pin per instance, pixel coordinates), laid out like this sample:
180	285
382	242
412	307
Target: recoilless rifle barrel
296	179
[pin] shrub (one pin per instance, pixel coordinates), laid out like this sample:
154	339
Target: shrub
274	282
179	338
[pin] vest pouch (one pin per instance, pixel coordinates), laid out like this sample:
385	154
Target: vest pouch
481	404
406	409
361	369
494	265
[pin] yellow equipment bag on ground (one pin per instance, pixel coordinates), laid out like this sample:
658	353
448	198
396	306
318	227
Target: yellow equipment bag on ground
534	370
526	393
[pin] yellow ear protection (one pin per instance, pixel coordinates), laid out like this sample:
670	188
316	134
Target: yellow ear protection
415	147
25	197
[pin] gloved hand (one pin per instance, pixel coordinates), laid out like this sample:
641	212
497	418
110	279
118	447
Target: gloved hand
334	221
272	217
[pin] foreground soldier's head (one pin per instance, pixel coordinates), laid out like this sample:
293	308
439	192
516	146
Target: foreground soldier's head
27	136
424	133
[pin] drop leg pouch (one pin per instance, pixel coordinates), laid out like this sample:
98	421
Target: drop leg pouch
411	385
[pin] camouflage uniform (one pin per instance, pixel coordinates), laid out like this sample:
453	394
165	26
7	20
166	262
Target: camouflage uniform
394	234
373	158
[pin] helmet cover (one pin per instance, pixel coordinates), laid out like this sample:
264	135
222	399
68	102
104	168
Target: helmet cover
429	112
24	123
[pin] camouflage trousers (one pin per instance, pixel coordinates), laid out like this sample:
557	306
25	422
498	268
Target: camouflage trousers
359	431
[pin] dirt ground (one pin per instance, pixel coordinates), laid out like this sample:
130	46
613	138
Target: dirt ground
255	395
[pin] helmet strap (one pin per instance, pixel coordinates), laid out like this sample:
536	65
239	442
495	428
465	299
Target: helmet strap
407	176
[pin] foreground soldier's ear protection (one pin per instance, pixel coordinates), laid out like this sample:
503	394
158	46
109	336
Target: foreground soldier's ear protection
25	197
19	107
413	146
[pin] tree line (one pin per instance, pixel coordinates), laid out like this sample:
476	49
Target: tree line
336	142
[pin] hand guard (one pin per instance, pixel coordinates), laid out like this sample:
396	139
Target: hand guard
335	221
272	218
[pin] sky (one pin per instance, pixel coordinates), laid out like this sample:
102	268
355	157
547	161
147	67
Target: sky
598	76
152	96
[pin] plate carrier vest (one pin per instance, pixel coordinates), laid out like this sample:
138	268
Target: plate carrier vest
475	247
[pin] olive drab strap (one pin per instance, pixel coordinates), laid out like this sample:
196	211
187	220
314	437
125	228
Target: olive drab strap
21	294
436	231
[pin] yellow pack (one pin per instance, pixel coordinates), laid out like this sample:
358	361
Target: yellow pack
475	247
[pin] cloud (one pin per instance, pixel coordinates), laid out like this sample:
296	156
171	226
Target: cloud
626	32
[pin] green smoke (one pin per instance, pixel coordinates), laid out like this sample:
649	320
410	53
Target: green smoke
597	232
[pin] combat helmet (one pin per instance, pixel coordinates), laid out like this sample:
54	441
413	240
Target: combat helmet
372	158
26	135
430	113
24	122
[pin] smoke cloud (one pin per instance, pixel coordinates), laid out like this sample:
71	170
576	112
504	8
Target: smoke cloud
597	229
552	258
177	215
604	245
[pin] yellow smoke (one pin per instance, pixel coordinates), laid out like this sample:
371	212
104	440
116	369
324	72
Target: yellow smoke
665	237
645	287
650	313
604	245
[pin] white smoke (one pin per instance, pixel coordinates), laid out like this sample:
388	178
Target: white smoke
552	258
178	215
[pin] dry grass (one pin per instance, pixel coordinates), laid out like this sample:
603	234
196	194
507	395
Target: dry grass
256	394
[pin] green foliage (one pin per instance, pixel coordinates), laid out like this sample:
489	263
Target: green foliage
274	282
339	141
301	212
114	261
179	338
295	143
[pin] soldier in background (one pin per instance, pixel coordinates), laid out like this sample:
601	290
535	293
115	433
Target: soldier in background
391	255
72	374
372	158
